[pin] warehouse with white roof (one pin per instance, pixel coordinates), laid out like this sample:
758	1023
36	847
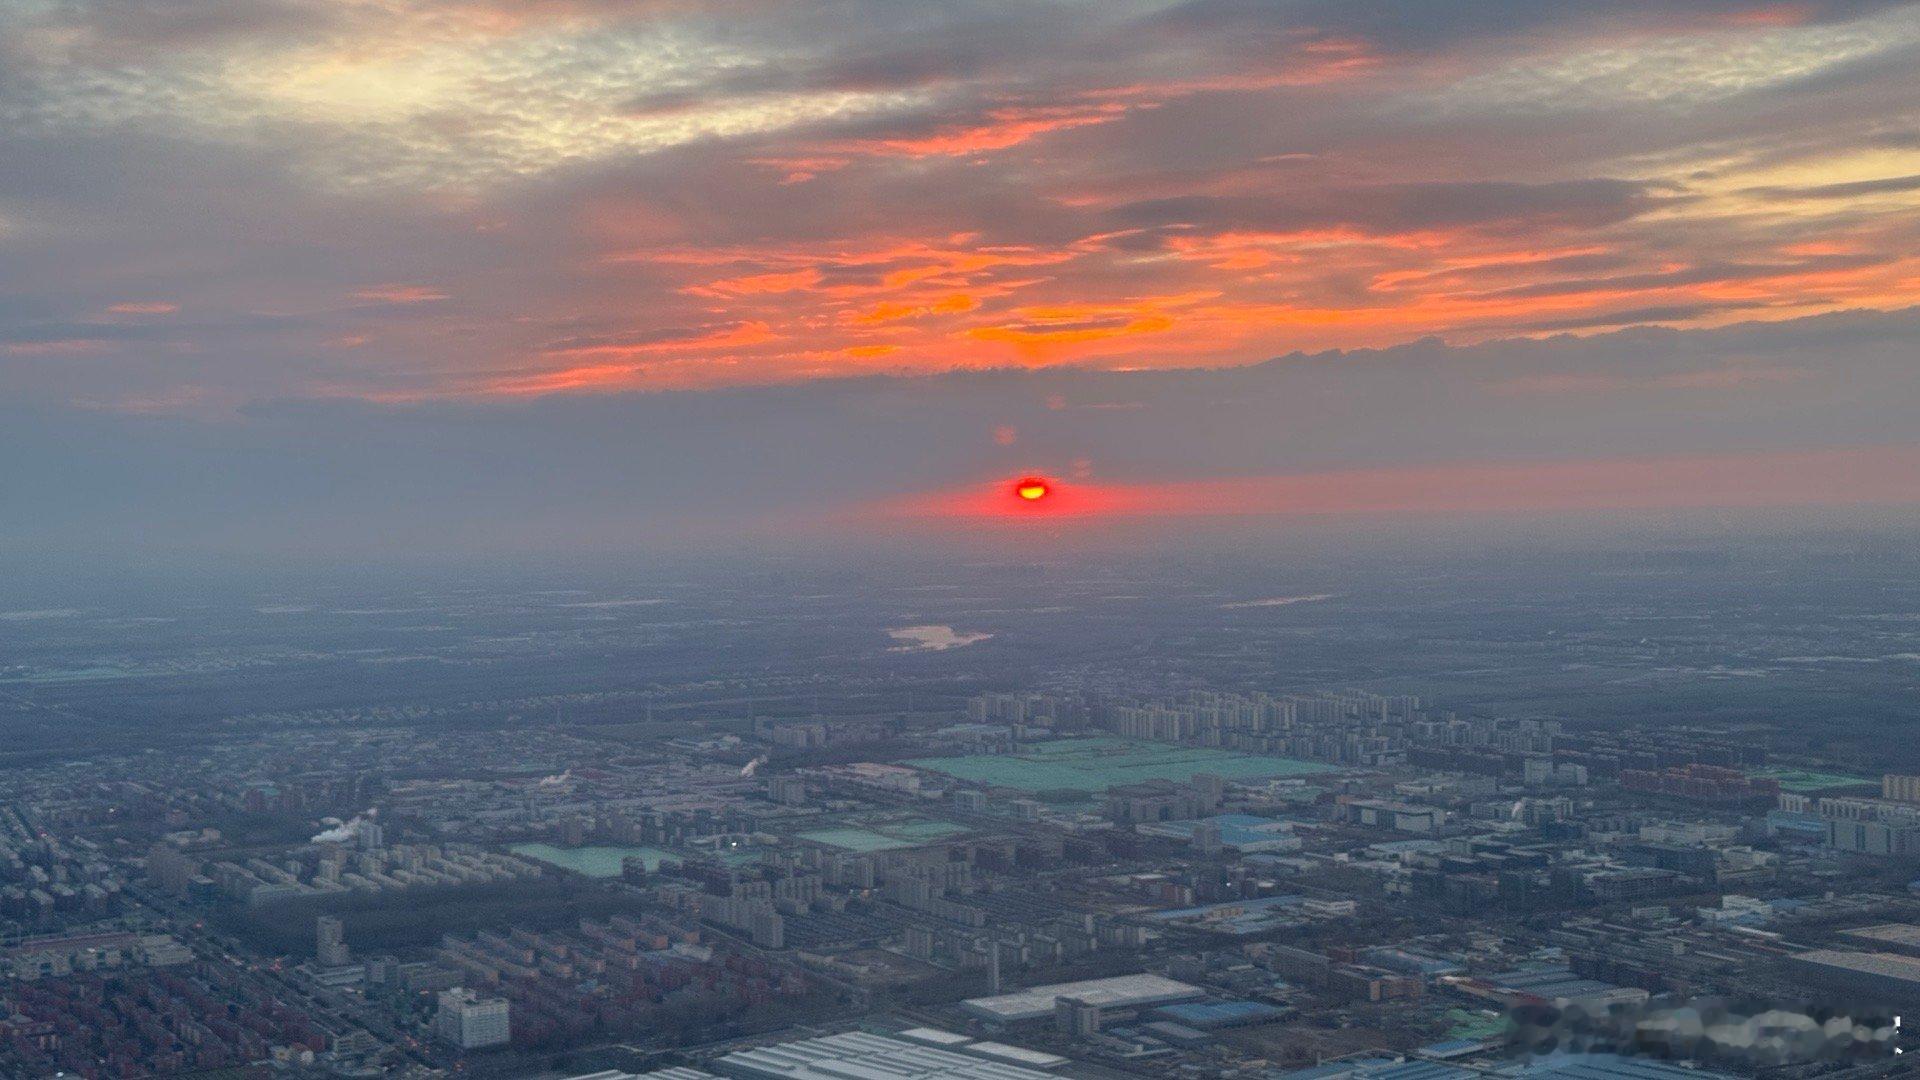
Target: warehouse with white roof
858	1055
1120	992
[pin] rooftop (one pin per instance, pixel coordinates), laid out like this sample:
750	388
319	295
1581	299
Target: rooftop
858	1055
1889	965
1209	1014
676	1073
1906	934
935	1037
1122	991
1549	981
1419	1070
1019	1055
1611	1067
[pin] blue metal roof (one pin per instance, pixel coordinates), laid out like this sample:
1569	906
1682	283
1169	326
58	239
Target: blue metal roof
1382	1069
1206	1014
1452	1047
1350	1067
1418	1070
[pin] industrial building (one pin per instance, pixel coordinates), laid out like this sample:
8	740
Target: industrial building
1216	1015
1120	992
680	1072
1889	937
1876	976
1368	1067
1611	1067
870	1057
1553	1067
1559	985
1235	832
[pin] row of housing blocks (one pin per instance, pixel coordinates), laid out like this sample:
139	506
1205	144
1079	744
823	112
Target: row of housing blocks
611	974
408	866
1887	827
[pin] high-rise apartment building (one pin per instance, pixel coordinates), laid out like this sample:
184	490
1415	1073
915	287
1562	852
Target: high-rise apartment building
469	1021
330	942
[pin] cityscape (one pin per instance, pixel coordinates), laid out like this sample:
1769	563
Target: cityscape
959	539
906	867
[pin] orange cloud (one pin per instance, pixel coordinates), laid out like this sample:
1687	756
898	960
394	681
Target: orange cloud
1325	177
1131	298
1001	129
400	294
624	365
759	284
1038	337
893	310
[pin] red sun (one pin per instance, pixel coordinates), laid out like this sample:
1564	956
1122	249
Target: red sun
1032	489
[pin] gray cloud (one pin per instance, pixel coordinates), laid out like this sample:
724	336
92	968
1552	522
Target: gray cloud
1425	25
218	250
681	468
1891	185
1390	207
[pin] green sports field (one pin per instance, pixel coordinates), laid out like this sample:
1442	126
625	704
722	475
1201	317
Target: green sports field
872	832
1805	782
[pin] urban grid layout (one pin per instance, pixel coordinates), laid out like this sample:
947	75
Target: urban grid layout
960	539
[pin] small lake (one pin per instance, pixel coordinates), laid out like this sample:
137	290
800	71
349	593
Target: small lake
931	638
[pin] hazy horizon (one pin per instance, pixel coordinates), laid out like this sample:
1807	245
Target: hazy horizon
380	279
1628	428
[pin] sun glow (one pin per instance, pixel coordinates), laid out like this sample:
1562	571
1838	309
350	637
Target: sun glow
1032	489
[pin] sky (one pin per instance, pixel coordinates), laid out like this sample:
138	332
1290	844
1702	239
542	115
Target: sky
299	272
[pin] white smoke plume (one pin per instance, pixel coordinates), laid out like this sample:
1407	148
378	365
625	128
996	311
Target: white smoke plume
341	832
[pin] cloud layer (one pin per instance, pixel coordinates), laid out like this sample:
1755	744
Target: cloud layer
409	202
1814	413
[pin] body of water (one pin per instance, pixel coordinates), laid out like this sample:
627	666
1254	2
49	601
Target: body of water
931	638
